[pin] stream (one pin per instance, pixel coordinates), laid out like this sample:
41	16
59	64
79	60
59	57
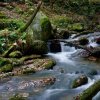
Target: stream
69	66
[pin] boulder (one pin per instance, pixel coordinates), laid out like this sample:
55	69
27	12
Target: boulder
79	81
36	47
40	28
63	34
83	41
55	46
98	40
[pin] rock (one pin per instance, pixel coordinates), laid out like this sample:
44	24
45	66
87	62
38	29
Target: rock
90	92
41	64
79	81
39	47
98	40
36	47
40	28
6	68
28	71
63	34
15	54
55	46
44	82
83	41
17	97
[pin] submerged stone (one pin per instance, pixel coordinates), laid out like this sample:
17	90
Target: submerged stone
79	81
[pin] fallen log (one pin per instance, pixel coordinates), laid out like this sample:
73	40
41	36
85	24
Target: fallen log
90	92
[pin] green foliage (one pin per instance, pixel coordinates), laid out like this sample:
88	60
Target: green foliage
2	15
15	54
10	24
4	61
6	68
62	21
28	71
76	27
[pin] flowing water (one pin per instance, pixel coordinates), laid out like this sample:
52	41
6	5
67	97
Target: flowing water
69	66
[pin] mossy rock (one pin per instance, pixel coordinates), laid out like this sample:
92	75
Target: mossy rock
6	68
4	61
28	71
49	64
40	28
79	81
83	41
16	97
15	54
37	47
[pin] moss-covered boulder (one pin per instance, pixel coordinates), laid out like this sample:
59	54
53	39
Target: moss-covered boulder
40	28
15	54
83	41
79	81
64	34
36	47
6	68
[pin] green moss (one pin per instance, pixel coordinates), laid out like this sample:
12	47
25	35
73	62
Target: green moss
46	28
4	61
76	27
16	97
6	68
15	54
11	24
49	64
39	47
90	92
62	21
28	71
79	81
